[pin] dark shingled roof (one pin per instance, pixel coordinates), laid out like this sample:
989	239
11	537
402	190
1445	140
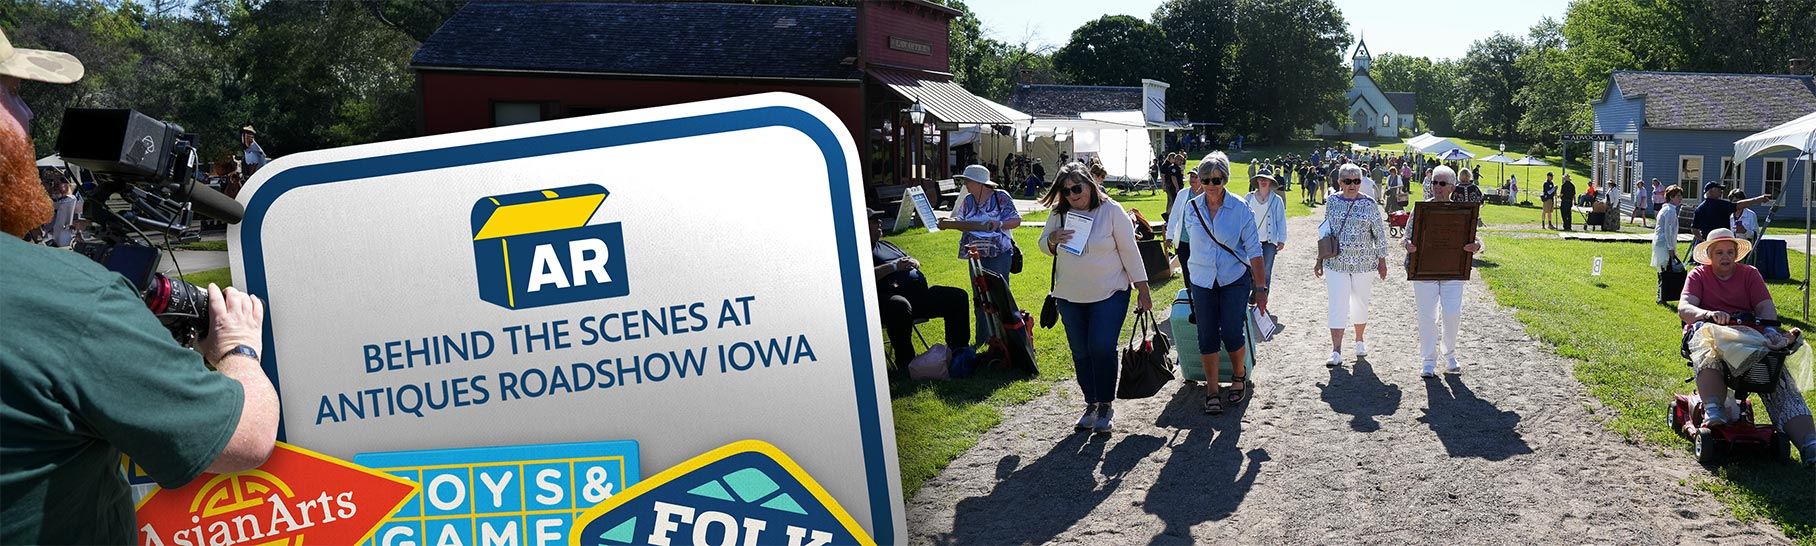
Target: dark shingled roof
1405	103
1726	102
679	39
1068	100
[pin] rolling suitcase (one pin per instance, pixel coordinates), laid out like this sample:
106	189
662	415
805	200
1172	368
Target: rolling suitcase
1185	341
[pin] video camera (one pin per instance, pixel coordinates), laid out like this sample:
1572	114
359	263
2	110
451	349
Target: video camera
150	165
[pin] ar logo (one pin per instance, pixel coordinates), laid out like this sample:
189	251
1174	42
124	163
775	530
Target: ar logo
535	248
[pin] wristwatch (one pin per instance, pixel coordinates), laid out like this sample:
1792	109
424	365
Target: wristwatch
242	350
1260	289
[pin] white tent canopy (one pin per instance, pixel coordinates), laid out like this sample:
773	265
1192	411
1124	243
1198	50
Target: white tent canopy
1126	151
1796	135
1431	144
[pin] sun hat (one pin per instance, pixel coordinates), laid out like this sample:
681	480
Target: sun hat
1701	254
248	130
38	64
979	174
1264	173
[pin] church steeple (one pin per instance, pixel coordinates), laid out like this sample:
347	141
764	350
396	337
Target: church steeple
1360	60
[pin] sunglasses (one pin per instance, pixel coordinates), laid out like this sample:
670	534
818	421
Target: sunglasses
1075	189
1442	183
1214	181
1352	181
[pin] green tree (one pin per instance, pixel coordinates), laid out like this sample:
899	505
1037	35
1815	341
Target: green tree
1289	72
1112	50
1554	100
1202	39
1490	77
1432	81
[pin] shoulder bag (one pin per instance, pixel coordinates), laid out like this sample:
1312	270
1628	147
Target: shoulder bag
1049	309
1328	246
1147	364
1213	235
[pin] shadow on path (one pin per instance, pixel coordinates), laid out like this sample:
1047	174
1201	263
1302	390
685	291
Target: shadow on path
1469	426
1034	503
1358	392
1206	476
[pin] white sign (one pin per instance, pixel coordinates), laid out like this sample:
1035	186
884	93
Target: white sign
556	282
924	208
1596	270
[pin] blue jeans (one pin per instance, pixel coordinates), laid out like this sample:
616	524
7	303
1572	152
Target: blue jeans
1268	250
999	264
1091	331
1222	315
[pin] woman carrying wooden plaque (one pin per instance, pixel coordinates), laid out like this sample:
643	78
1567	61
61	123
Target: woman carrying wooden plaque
1440	243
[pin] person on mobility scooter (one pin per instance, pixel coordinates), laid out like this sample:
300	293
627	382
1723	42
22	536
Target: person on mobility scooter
1725	342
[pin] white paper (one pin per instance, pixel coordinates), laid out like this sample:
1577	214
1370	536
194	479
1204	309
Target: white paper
1597	271
1080	224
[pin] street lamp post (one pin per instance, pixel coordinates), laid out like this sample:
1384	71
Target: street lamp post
916	116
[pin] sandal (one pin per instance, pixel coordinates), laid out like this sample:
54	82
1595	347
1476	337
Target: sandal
1213	403
1237	395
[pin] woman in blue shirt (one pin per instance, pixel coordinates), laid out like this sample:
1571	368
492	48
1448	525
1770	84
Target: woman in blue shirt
987	215
1227	270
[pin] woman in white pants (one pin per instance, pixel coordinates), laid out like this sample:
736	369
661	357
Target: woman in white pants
1439	300
1355	218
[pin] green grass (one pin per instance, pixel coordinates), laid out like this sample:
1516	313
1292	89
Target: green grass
1626	353
218	246
935	422
222	277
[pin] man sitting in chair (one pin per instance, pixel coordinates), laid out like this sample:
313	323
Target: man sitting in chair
903	296
1713	293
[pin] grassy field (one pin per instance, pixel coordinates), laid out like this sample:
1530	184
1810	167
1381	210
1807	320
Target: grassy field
222	277
1626	352
219	246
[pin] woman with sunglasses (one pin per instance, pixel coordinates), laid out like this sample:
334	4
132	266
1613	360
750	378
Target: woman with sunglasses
1439	298
1093	286
1355	219
1227	270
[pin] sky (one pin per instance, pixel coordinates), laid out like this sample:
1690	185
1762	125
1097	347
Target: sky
1427	28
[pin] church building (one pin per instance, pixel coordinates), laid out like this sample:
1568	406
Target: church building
1372	113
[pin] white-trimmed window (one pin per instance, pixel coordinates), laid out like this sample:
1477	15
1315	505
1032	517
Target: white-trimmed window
1689	174
1775	177
1735	178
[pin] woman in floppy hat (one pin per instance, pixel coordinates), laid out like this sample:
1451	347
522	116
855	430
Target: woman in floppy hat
987	215
1713	293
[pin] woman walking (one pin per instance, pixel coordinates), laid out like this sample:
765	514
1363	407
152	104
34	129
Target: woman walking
1355	220
1176	237
1093	286
1227	271
1439	298
1270	218
987	215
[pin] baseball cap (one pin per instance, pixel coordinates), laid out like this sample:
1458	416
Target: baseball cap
1713	186
37	64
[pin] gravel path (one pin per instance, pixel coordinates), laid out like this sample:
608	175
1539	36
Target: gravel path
1510	452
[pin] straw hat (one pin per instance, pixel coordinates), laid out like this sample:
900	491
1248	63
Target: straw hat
1701	254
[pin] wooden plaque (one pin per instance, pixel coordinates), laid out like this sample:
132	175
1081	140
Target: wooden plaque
1440	231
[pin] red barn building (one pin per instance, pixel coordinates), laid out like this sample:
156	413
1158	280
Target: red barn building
501	63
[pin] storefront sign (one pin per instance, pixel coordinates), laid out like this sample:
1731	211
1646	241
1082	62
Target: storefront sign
517	495
1586	137
565	281
911	46
296	497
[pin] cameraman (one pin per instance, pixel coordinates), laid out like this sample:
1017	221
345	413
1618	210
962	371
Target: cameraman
87	373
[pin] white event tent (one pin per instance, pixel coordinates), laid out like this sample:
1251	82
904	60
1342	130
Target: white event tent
1431	144
1798	135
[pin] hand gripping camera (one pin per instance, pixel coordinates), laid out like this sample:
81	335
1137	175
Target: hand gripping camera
144	182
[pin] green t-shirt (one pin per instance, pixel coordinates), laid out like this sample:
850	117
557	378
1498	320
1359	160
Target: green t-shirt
87	373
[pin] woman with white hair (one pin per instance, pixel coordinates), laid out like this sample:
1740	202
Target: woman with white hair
1439	298
1227	271
1355	220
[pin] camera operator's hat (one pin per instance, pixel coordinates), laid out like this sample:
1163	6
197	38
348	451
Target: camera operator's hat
38	64
1701	253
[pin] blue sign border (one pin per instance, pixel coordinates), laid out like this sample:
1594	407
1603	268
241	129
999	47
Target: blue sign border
850	285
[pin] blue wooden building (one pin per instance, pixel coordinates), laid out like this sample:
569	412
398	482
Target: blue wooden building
1680	128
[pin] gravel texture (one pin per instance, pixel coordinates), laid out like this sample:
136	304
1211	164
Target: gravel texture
1509	452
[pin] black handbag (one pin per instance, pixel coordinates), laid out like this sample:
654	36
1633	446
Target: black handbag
1049	309
1147	362
1671	280
1015	258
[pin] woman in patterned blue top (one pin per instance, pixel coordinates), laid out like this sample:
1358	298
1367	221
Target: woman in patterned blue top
1355	219
987	215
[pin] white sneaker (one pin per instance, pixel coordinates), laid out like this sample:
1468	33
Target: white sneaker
1089	419
1454	367
1361	349
1430	369
1336	359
